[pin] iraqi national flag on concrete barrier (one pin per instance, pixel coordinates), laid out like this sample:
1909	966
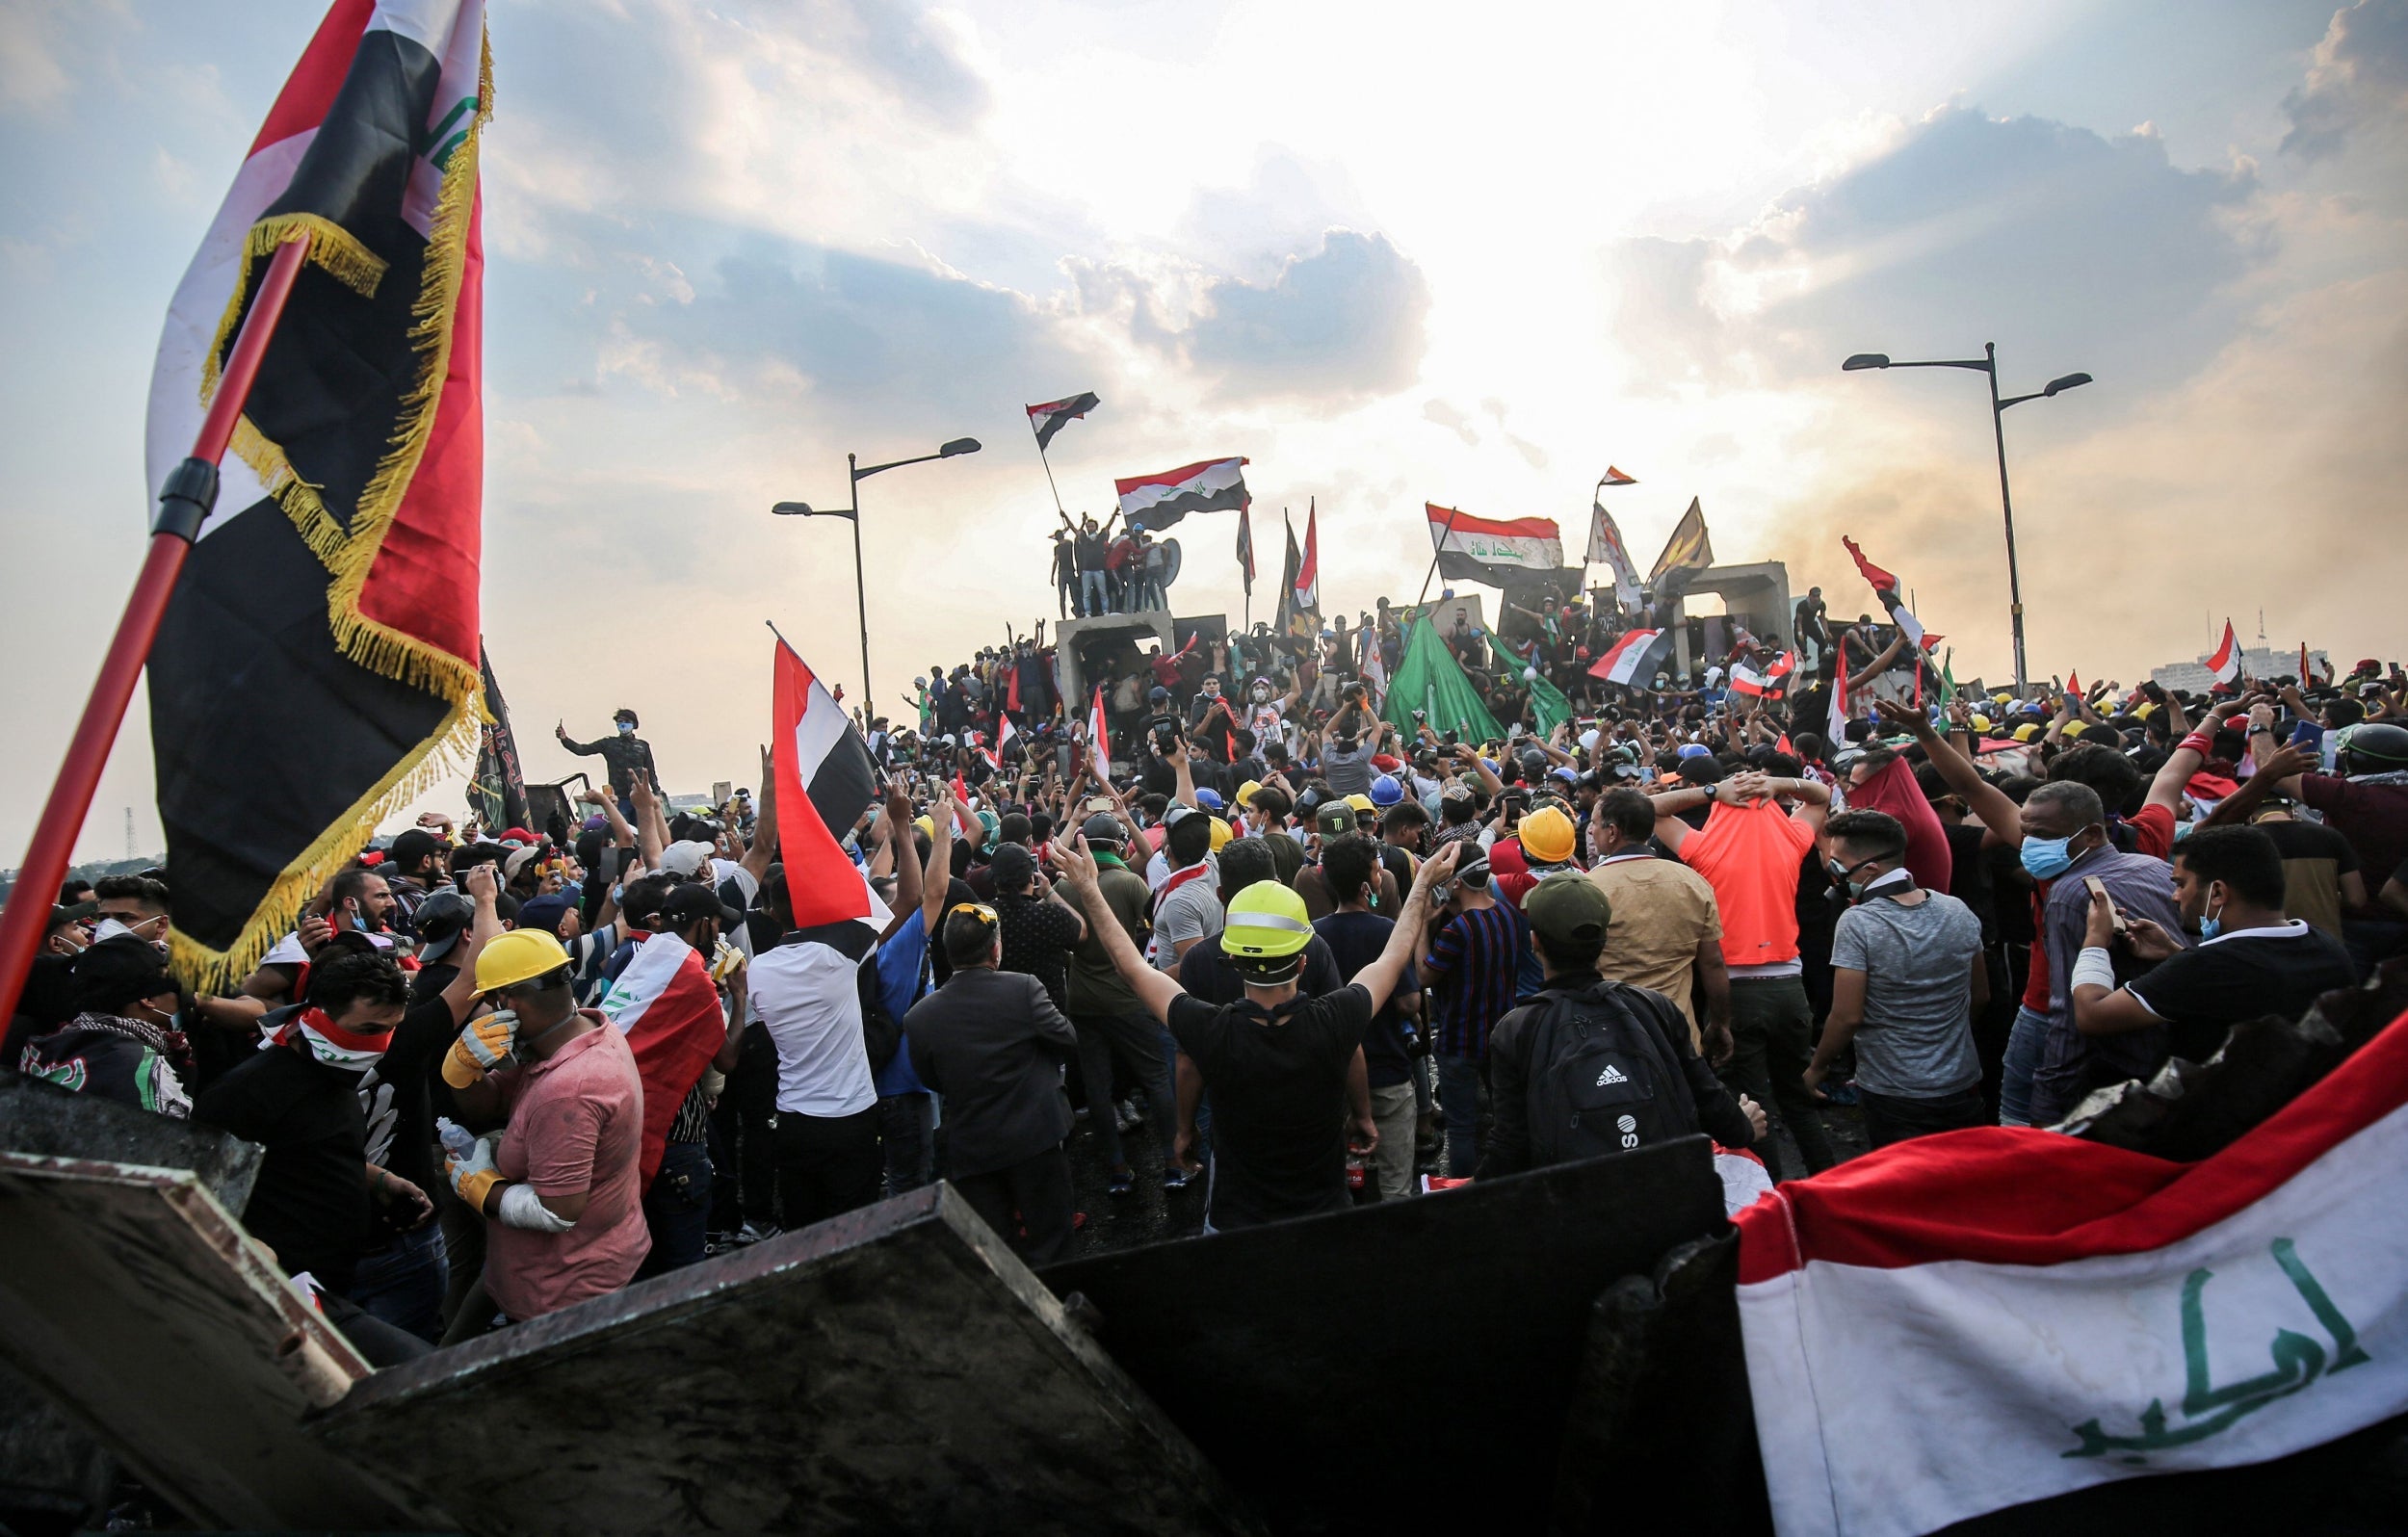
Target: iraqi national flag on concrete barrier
1159	501
317	666
1491	550
667	1005
1981	1318
825	779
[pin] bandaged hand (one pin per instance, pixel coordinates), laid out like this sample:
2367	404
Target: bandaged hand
484	1046
474	1177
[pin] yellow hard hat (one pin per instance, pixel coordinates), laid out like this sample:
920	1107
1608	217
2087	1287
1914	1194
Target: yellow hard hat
1547	836
1266	923
518	957
926	823
1245	792
1222	834
1361	803
2026	732
1981	722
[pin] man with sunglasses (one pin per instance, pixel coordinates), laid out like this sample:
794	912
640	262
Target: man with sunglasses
561	1186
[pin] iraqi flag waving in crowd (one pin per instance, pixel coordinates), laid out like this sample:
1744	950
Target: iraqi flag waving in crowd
1980	1318
329	606
1158	500
825	779
1492	550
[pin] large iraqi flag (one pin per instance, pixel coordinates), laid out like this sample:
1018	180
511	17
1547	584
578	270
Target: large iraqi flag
318	664
825	779
1158	500
1492	550
1981	1318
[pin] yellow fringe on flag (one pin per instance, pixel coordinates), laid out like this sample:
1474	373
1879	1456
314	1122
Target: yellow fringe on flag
350	553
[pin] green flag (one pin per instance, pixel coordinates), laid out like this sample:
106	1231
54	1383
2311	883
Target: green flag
1948	678
1428	678
1548	704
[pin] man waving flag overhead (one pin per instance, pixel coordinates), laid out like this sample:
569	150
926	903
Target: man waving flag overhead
330	605
825	779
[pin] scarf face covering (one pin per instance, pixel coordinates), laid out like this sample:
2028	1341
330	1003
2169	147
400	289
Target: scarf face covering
352	1050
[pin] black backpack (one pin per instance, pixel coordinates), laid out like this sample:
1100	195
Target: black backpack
1602	1077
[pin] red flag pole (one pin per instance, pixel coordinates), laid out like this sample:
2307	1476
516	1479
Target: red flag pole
184	506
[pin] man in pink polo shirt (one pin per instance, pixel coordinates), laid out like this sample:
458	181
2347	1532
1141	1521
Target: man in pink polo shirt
1751	851
563	1196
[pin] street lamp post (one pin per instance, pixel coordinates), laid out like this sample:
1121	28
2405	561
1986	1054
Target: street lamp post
1988	363
856	473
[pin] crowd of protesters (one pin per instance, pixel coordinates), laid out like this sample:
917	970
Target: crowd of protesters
1267	951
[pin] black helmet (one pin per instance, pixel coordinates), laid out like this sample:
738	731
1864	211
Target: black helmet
2375	747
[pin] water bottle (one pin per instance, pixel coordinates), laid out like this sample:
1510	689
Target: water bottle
455	1138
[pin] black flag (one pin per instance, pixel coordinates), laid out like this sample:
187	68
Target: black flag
1245	549
498	791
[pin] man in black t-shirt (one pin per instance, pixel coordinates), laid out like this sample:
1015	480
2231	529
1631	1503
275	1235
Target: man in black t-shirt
317	1199
1356	936
1039	929
2250	961
1281	1066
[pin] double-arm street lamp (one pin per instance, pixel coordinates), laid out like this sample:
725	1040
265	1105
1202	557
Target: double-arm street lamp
860	472
1988	363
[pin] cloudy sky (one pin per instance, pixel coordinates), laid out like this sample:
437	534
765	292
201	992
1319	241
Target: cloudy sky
1392	253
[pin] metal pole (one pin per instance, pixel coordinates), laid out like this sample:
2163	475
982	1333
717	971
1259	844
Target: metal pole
185	505
2007	505
1049	474
860	591
1432	572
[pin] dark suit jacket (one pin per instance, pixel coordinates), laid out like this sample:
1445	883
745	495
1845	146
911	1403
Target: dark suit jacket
992	1043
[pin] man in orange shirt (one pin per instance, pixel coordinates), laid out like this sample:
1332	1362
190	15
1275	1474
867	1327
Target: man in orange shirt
1750	852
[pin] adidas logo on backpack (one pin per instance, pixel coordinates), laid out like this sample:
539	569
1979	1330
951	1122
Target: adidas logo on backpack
1612	1074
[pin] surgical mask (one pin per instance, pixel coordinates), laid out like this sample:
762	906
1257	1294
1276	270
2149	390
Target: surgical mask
2211	925
626	729
2046	858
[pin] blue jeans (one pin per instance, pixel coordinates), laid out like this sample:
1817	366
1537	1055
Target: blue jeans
1095	595
677	1209
403	1283
2023	1042
1463	1095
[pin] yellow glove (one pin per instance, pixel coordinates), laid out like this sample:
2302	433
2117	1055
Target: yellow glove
474	1177
484	1046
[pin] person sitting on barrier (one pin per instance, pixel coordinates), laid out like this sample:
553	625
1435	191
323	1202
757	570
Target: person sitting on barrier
1590	1066
1285	1072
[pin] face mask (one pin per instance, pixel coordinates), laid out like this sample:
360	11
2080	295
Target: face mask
626	729
2046	858
2211	925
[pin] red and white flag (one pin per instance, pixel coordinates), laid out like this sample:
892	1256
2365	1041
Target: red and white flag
1631	659
668	1007
2226	663
1767	683
1614	476
1158	500
1099	738
1471	549
1308	571
1981	1318
826	778
1003	737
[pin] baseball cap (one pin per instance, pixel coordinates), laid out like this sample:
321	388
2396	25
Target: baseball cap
517	862
1104	828
688	858
1547	836
1568	909
1180	811
440	920
517	835
687	903
1013	866
1334	819
544	913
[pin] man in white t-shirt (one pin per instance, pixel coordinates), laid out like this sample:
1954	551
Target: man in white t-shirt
807	990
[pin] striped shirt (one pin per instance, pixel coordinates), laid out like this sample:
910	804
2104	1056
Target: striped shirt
1472	970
